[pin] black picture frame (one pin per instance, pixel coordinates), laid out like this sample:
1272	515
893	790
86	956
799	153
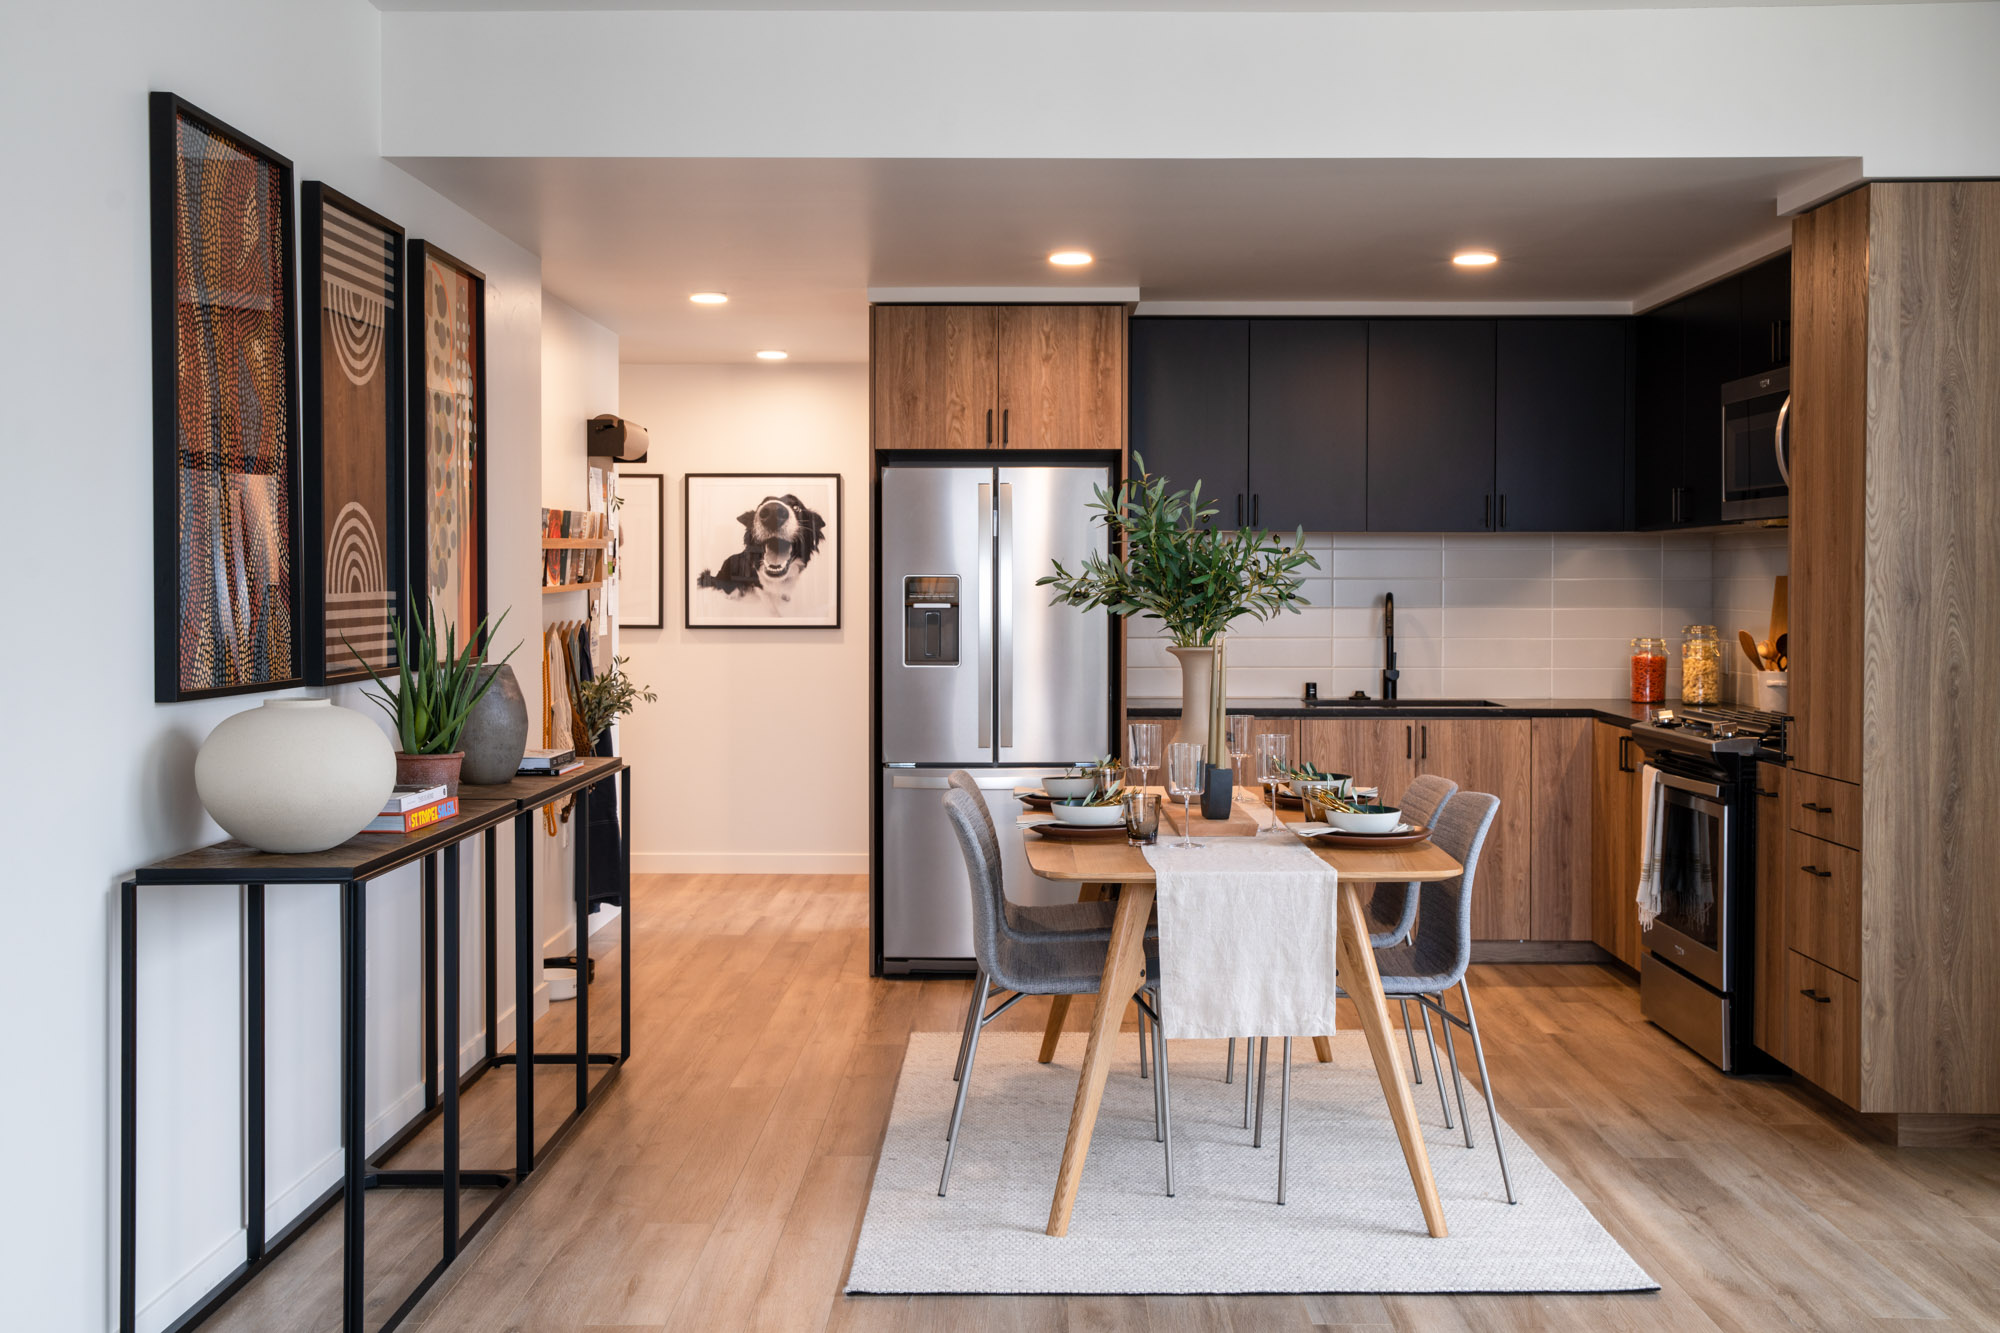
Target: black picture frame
691	561
658	611
172	680
324	663
422	539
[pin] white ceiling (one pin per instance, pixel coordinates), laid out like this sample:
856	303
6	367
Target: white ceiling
797	244
1102	6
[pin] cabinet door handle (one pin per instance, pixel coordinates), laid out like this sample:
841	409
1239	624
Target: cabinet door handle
1768	795
1486	514
1503	509
1816	997
1817	872
1254	506
1816	809
1408	752
989	425
1239	509
1426	751
1003	425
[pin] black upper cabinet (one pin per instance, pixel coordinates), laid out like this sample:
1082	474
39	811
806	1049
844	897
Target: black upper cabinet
1560	425
1430	425
1764	337
1656	461
1714	320
1309	424
1191	407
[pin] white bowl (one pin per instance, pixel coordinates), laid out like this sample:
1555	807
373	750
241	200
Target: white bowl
1369	819
1065	788
1093	816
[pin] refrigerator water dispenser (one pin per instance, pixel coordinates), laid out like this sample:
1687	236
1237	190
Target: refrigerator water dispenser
930	620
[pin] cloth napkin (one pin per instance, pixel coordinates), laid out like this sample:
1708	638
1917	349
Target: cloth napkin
1248	932
1651	829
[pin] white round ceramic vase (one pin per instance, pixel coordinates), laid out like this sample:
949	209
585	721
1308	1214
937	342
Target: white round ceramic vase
297	775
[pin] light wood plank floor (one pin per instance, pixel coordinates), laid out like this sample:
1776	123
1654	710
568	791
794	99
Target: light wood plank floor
721	1184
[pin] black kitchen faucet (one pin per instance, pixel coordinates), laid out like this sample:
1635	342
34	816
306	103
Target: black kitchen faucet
1389	672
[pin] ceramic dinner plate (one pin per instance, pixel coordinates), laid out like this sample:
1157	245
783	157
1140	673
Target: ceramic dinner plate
1333	837
1080	832
1036	799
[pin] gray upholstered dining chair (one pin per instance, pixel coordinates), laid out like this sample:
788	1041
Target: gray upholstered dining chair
1034	921
1051	964
1436	956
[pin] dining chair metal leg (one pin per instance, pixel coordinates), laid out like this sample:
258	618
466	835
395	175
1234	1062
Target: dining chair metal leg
1163	1090
958	1103
1284	1111
1249	1064
1409	1035
1437	1070
1451	1058
1486	1088
1263	1071
971	1021
1142	1043
1229	1063
1159	1088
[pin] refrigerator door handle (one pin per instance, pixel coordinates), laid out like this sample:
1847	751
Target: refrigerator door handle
1004	590
985	617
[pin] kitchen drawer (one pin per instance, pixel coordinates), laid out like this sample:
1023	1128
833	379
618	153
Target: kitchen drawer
1823	1027
1823	902
1826	808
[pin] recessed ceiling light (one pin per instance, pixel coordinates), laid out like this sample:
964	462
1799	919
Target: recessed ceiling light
709	298
1070	258
1475	258
772	354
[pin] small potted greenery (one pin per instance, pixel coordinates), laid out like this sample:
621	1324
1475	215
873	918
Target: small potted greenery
606	698
434	695
1168	563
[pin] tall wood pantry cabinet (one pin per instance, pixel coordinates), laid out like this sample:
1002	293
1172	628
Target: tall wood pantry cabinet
1891	915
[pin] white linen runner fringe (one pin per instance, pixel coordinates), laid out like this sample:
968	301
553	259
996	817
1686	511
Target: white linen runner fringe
1248	936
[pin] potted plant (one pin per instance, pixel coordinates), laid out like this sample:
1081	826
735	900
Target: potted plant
434	695
606	698
1168	563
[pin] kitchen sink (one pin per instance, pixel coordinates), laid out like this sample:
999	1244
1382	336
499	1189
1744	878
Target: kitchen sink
1402	703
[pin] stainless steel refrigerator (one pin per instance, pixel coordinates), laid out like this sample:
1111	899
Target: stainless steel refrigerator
977	671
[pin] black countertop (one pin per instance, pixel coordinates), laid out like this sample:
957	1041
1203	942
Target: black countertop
1619	711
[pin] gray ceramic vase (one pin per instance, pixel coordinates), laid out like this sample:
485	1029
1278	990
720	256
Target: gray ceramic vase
496	735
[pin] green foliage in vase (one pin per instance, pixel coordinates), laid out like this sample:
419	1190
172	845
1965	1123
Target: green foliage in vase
608	697
1168	563
435	691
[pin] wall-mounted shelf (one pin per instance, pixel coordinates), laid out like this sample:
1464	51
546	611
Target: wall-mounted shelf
576	543
548	588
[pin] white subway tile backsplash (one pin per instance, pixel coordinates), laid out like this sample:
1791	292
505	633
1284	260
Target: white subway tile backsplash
1497	653
1496	683
1497	592
1368	592
1505	562
1606	622
1389	562
1478	622
1607	562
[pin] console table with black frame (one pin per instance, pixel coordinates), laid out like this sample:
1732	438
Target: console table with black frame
352	865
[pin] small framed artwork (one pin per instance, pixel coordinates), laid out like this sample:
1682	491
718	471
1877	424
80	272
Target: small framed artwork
226	614
642	550
351	571
447	501
763	550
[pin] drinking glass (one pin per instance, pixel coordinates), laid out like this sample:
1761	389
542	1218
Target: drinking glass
1239	744
1142	819
1184	781
1142	748
1273	752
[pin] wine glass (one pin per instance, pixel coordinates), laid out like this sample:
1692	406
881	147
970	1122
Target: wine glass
1184	781
1142	748
1239	744
1272	767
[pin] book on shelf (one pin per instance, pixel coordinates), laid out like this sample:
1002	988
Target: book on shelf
409	821
409	795
542	763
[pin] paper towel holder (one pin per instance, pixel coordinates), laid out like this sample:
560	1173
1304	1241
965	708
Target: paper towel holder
615	438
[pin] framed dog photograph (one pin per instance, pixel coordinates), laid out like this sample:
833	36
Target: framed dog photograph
763	550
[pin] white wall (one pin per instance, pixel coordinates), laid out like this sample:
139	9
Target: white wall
103	778
755	759
1907	88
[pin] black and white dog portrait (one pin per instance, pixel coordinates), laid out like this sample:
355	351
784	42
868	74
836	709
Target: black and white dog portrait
763	551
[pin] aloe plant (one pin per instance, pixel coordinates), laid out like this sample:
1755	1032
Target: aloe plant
435	693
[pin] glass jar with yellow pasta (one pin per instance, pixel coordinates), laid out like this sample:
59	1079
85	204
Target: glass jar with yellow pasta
1701	665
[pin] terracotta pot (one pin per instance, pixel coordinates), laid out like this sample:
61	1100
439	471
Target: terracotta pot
428	770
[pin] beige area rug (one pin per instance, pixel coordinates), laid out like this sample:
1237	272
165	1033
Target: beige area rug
1350	1223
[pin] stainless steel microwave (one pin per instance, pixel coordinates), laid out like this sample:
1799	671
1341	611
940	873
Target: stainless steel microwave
1757	446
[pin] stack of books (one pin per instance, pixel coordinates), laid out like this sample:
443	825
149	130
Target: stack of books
410	808
548	763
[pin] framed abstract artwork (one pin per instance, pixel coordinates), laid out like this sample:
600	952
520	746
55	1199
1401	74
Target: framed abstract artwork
351	558
226	611
447	505
763	550
642	550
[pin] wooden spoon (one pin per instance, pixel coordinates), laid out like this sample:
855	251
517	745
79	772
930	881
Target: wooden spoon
1749	643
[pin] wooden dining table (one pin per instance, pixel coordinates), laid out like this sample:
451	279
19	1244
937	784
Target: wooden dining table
1096	865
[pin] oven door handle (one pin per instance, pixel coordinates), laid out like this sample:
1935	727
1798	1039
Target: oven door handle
1778	441
1714	791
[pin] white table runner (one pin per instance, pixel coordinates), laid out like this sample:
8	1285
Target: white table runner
1248	932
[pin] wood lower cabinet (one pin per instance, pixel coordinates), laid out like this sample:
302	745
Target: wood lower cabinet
1773	840
1823	1026
1559	857
1377	752
1822	888
1614	842
997	377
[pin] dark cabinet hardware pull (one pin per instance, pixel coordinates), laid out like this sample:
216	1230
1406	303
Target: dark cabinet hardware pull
1816	809
1625	755
989	425
1503	509
1486	514
1426	753
1771	795
1004	412
1816	997
1816	871
1408	753
1254	506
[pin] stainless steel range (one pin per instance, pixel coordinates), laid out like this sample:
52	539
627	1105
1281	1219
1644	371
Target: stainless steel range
1695	974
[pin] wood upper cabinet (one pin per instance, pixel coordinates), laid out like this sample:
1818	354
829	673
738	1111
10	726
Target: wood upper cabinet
1430	425
1829	426
1560	425
1559	818
1490	755
998	377
933	375
1614	842
1062	377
